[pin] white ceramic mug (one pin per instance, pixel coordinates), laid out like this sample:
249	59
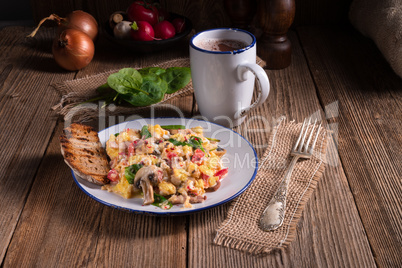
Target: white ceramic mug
223	81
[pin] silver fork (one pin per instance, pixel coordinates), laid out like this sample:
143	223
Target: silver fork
272	217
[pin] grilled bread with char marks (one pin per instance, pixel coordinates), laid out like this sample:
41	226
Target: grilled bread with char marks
84	154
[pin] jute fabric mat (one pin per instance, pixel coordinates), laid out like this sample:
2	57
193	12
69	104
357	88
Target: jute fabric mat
240	230
75	92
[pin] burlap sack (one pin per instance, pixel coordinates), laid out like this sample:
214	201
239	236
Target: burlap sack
381	20
241	229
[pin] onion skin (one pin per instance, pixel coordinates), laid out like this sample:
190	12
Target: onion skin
81	21
77	19
73	50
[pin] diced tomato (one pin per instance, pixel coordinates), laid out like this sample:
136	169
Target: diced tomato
221	173
197	156
113	175
205	179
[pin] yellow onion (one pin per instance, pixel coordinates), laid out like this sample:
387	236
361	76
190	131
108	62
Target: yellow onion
73	49
77	19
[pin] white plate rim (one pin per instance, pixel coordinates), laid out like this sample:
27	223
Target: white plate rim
183	211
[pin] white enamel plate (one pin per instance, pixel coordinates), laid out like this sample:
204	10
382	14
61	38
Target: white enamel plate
240	158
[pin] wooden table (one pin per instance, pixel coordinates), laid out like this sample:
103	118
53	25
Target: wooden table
354	218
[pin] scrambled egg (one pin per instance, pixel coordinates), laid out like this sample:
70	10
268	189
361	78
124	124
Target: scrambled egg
187	163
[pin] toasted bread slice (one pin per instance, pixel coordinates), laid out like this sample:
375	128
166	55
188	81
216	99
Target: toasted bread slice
84	154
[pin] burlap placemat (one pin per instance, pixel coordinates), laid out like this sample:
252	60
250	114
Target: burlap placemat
75	92
240	230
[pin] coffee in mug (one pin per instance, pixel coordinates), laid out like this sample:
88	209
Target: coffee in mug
223	70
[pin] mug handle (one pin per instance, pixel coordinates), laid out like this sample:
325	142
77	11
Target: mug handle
263	85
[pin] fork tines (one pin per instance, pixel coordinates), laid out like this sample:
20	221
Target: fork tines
303	134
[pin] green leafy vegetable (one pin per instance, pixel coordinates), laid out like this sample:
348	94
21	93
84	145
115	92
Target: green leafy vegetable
116	134
194	142
178	143
145	134
173	127
176	78
142	87
151	70
130	171
162	202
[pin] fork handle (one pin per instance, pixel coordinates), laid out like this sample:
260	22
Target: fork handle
272	217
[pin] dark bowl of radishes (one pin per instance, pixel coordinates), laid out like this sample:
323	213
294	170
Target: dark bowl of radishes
145	27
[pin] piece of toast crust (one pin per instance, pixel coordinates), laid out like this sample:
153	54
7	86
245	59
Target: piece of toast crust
84	154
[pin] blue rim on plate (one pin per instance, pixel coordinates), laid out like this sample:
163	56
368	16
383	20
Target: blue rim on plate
87	187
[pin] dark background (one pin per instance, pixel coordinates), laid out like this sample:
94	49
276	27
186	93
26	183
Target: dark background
15	12
29	12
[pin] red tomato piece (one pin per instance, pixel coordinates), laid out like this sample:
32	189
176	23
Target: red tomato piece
222	173
197	156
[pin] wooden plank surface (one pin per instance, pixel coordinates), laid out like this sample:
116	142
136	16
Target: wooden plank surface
330	233
48	221
348	68
26	71
61	226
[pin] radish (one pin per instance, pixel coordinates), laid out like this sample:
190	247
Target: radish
179	24
164	30
142	31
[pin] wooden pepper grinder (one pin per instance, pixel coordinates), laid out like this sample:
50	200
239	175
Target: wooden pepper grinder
275	17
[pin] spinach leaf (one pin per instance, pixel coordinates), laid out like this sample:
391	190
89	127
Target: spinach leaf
125	84
155	88
177	143
142	87
151	70
130	171
196	143
176	78
145	134
162	202
132	72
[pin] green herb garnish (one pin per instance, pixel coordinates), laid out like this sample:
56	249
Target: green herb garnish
194	142
130	171
211	139
162	202
178	143
173	127
116	134
145	134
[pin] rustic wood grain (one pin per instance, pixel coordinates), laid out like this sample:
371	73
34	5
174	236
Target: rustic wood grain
348	68
73	230
330	232
26	71
62	226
